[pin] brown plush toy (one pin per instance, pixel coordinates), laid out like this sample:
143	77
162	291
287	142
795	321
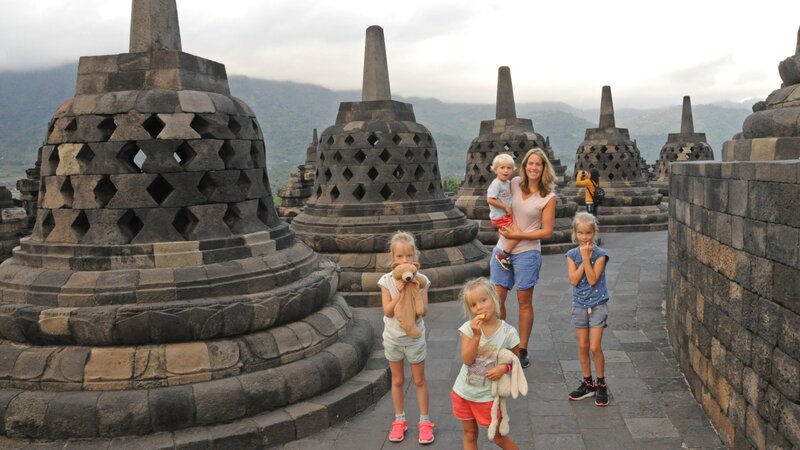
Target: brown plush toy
409	308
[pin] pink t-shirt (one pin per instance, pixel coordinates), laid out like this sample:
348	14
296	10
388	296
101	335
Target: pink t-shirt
527	216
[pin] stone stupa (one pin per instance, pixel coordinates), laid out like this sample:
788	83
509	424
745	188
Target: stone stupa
377	173
160	302
300	185
772	132
684	146
515	136
630	204
13	223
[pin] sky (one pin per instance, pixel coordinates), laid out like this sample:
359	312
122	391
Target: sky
651	53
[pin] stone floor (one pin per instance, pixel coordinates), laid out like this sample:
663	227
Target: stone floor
651	407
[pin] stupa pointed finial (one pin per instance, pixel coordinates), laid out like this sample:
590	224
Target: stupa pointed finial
506	109
376	70
314	136
607	109
687	123
154	26
797	47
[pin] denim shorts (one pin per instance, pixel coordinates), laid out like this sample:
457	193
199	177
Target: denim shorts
414	353
597	319
524	271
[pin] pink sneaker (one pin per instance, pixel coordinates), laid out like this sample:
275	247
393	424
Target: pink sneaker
398	431
425	432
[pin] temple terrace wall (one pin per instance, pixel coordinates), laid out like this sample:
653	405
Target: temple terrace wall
733	297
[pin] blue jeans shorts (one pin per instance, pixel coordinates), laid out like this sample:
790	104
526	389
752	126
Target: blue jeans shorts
597	319
524	271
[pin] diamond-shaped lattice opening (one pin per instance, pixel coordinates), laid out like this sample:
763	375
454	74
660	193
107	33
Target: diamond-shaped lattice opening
85	155
337	157
184	154
617	166
396	139
603	149
185	222
521	145
435	170
373	173
54	158
349	140
430	138
610	156
244	183
227	153
207	185
200	126
255	125
386	192
506	146
72	125
417	139
130	224
491	145
385	156
132	156
159	189
67	193
411	191
359	192
263	213
153	125
234	126
347	174
482	180
319	191
398	172
476	169
265	182
334	194
409	155
255	154
488	168
328	174
233	218
419	173
611	176
51	126
330	140
48	224
427	154
321	157
482	155
107	127
80	225
360	156
605	166
373	139
104	191
431	189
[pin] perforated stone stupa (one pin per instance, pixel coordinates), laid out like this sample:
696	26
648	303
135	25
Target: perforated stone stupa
300	185
13	222
630	204
160	302
684	146
772	132
514	136
377	173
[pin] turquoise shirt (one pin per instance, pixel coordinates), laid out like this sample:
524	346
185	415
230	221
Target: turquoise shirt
585	295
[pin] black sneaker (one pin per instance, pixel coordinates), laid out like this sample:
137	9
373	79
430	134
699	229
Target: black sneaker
503	260
586	389
523	358
602	395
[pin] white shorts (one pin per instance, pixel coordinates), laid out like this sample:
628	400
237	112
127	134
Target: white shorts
414	353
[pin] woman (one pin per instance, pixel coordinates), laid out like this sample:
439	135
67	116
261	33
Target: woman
534	205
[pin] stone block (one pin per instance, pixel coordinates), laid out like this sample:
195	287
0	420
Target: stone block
195	102
786	285
789	422
761	271
72	414
109	368
219	401
119	102
177	254
345	401
265	390
756	432
157	101
55	321
197	438
779	248
149	367
172	408
188	361
67	365
237	435
31	363
762	356
300	387
25	414
275	428
789	334
308	417
786	375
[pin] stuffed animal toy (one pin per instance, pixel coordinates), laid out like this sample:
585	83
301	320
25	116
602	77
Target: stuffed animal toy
509	385
409	308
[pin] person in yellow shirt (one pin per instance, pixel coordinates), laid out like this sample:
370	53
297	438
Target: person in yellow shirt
589	181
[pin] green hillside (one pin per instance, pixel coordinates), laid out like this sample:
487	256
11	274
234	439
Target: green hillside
289	111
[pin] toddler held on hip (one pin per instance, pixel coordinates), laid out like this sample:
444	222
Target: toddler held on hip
498	196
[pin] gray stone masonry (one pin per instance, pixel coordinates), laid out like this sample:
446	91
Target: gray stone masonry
13	223
514	136
154	26
651	405
772	132
300	185
684	146
630	204
733	309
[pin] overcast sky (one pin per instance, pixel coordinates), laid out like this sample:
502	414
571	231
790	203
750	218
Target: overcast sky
650	52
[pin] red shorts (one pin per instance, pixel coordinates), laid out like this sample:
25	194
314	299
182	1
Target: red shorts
480	412
504	221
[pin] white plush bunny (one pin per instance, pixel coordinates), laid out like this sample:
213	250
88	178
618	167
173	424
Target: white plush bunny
509	385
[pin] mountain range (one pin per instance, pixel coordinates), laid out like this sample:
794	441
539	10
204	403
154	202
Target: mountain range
288	112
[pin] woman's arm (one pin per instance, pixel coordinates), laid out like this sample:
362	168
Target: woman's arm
548	221
574	273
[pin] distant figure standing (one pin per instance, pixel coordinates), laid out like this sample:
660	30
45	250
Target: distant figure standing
589	181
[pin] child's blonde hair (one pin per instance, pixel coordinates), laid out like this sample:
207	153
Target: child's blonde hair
500	159
405	238
584	217
487	287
